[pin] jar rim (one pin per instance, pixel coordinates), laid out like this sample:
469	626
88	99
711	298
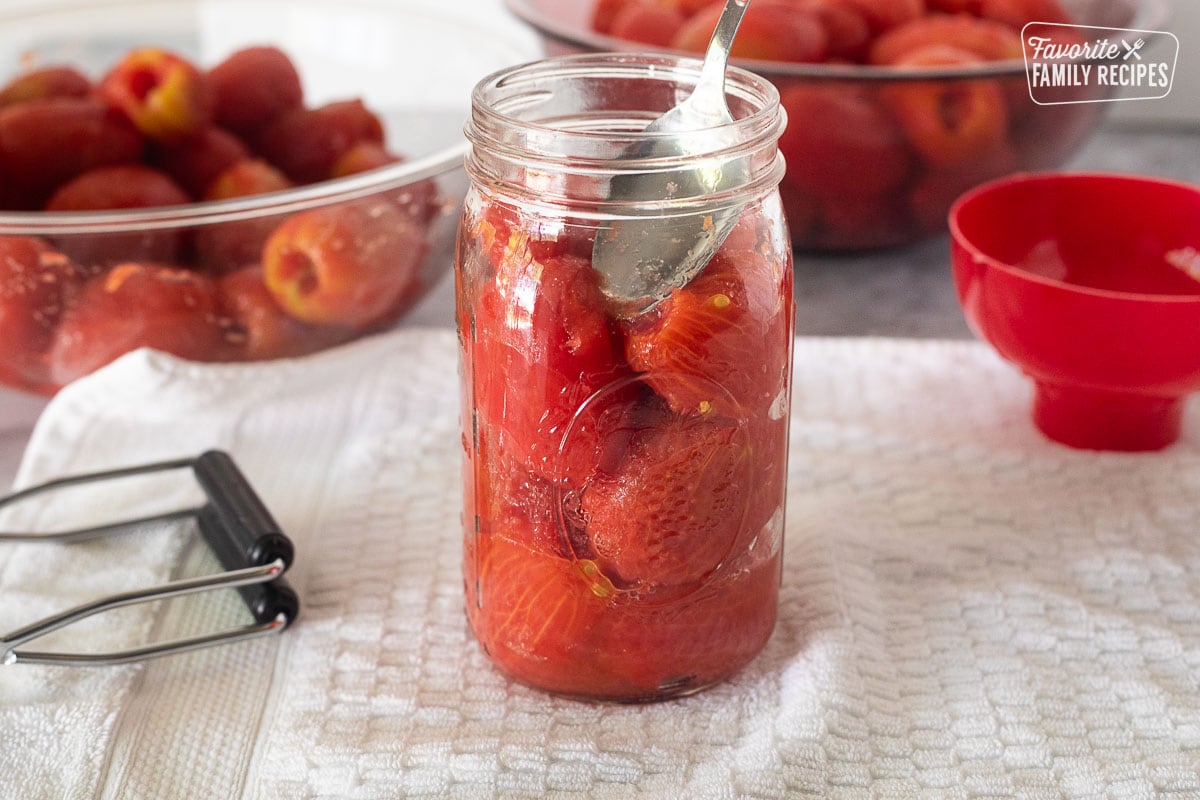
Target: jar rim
533	124
488	109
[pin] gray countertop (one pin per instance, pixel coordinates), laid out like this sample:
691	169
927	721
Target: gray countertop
908	292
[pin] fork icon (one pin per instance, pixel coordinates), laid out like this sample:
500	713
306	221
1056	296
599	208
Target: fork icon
1132	50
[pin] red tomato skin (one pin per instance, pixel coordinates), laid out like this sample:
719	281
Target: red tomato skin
36	283
136	305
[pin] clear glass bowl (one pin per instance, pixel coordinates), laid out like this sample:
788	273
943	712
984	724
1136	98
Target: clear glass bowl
855	178
411	63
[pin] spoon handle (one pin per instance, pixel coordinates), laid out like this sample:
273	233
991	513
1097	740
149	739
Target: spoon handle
716	58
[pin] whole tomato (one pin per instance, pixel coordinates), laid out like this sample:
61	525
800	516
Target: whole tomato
538	612
347	265
35	283
719	343
542	346
136	305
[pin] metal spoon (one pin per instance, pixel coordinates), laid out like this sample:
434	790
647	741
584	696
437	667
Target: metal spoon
642	260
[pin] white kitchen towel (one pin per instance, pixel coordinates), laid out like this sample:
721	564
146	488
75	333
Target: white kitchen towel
968	610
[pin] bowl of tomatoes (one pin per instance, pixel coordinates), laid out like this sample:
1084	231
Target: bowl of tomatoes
895	107
225	181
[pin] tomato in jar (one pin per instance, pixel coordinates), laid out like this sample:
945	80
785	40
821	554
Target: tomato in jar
624	472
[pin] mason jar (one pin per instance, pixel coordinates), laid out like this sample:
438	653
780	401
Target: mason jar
624	461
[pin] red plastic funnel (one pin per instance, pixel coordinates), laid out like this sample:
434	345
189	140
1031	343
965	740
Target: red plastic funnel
1091	285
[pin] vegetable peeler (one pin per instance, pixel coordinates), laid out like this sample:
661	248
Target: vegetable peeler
234	524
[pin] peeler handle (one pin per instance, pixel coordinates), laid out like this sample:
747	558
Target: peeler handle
235	523
269	601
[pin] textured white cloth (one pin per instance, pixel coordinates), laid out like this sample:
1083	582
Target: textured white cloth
968	611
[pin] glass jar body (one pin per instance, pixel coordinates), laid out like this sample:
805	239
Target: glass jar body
624	474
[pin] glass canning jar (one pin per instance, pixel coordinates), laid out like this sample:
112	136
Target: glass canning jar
624	473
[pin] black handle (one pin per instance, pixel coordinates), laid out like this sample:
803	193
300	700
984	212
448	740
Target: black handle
235	523
267	601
